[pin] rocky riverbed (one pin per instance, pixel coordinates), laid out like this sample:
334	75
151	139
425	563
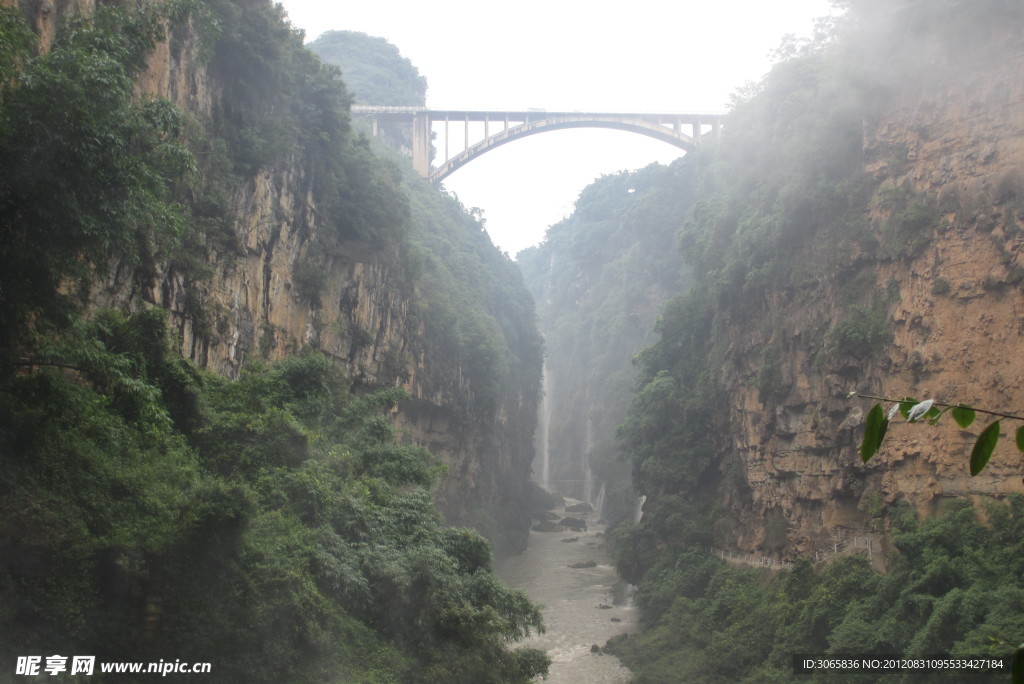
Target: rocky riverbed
571	574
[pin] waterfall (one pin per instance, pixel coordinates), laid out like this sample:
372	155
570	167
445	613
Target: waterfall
588	474
588	480
543	422
543	439
599	503
639	514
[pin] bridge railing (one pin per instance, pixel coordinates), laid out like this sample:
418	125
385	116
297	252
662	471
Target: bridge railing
386	109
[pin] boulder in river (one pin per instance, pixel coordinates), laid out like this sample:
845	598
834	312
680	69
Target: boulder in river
582	507
574	524
584	564
547	526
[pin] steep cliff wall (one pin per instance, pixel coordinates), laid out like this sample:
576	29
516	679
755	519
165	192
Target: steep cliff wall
284	259
920	295
856	230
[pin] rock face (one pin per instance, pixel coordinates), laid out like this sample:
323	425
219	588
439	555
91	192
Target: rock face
954	142
365	315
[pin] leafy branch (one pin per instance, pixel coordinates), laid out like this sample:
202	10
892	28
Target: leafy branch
877	424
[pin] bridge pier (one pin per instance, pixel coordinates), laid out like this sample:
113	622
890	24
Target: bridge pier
421	143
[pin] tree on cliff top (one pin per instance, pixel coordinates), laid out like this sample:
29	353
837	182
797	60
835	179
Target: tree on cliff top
373	69
85	167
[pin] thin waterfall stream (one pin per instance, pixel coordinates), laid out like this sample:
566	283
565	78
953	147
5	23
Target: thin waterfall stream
543	421
578	602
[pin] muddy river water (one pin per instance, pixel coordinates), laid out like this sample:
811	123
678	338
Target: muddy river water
578	603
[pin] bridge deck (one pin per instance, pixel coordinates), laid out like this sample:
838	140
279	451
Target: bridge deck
498	115
514	124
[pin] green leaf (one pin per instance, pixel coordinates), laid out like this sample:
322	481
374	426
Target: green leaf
963	415
1018	666
875	427
984	447
1020	438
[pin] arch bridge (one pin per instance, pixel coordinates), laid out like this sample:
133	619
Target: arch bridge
685	131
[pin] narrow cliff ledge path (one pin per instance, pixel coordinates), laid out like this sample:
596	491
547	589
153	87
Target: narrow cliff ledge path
579	609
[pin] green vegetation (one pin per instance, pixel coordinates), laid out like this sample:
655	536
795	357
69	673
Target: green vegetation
470	298
864	332
599	279
83	165
272	525
782	198
374	71
785	265
669	434
953	586
68	119
280	105
474	314
376	74
877	424
474	307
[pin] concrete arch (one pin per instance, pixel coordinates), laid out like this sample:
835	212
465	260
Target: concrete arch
656	131
518	124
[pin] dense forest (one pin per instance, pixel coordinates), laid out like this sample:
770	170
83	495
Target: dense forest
275	523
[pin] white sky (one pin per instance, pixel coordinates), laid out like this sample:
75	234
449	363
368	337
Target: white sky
587	55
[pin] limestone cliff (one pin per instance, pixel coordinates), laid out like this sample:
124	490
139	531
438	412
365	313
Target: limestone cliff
941	263
272	281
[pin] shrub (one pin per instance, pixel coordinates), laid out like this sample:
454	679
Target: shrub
309	280
940	286
863	333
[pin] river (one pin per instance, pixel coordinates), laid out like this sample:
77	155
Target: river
577	603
